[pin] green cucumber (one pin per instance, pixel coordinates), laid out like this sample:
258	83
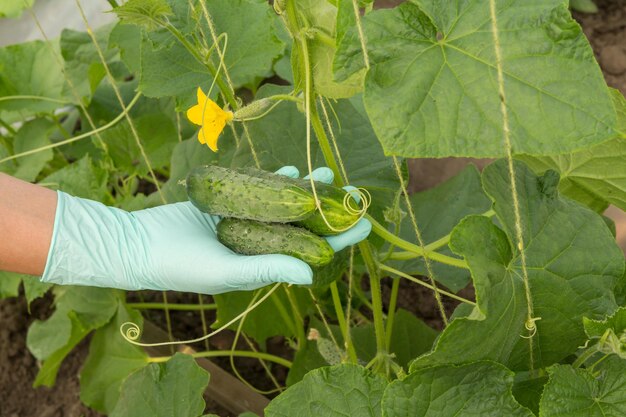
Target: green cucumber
250	237
331	201
235	193
332	204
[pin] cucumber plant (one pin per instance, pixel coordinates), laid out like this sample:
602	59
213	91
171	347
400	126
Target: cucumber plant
123	113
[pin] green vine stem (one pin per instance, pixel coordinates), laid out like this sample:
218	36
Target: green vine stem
344	325
391	314
294	27
237	353
177	307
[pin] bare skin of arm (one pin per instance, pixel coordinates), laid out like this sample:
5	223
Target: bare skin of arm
26	222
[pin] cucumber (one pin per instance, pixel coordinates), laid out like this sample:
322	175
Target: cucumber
331	201
250	237
235	193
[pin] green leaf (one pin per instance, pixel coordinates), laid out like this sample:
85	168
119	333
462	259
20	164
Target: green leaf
111	359
83	66
169	69
595	176
572	262
475	389
578	393
437	211
172	389
30	69
306	359
433	76
527	390
410	337
79	310
256	324
149	14
80	179
13	9
341	390
32	135
609	332
157	134
9	284
253	43
128	39
321	17
48	372
34	288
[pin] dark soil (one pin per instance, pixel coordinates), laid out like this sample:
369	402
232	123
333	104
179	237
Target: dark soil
607	33
18	368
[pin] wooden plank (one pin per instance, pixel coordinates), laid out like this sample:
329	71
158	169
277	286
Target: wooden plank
224	388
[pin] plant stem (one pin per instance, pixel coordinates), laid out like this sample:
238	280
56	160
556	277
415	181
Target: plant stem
220	353
293	25
301	336
178	307
391	313
580	361
414	249
344	325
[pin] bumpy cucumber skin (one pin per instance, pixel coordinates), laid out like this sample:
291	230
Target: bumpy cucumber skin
250	237
234	193
331	200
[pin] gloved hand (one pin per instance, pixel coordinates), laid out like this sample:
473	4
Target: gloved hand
171	247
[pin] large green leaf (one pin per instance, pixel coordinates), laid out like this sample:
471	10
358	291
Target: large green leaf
78	311
341	390
83	66
437	211
32	135
572	262
432	89
595	176
321	17
476	389
111	359
157	135
410	337
30	69
170	389
169	69
579	393
80	179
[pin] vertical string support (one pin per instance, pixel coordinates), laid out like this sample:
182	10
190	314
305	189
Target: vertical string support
530	324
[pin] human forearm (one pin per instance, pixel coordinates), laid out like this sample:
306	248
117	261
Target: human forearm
26	222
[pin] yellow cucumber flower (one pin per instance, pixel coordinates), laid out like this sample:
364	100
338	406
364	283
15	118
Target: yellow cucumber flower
210	117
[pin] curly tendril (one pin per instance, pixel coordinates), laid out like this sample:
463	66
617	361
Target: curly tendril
131	331
531	327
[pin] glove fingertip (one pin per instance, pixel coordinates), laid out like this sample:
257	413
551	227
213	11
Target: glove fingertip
322	174
289	171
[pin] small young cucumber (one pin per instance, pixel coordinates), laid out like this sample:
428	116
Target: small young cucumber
250	237
235	193
331	201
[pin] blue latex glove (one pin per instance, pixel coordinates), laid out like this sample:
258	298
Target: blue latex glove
171	247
